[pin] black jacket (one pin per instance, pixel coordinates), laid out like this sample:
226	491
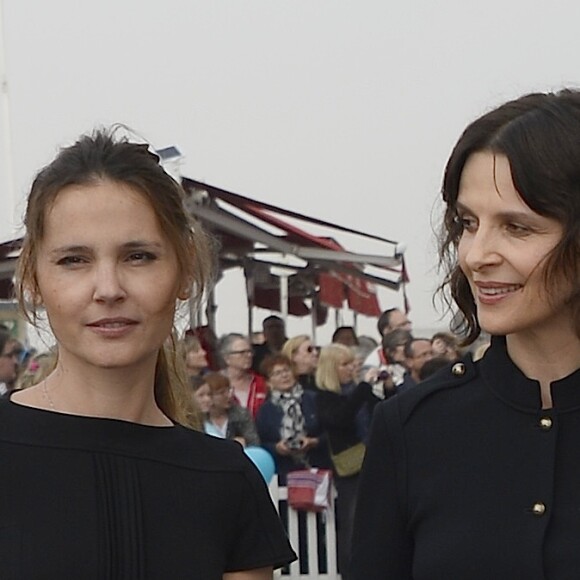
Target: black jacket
466	477
337	414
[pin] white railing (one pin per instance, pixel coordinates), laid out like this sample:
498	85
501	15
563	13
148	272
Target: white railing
320	538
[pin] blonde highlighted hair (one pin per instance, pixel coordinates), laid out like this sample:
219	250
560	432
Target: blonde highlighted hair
330	358
291	347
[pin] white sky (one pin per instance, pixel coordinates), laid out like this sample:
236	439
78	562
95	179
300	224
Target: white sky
344	110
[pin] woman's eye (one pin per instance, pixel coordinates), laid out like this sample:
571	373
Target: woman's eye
518	229
71	261
142	257
465	223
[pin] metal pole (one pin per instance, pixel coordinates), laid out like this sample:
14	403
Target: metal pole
284	297
9	183
283	274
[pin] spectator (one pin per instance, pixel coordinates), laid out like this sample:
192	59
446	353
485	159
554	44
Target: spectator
344	410
226	419
417	352
432	366
201	394
274	331
128	489
393	345
345	335
195	356
249	389
11	351
287	422
445	344
208	341
304	358
389	320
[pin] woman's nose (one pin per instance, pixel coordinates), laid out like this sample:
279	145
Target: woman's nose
481	248
108	284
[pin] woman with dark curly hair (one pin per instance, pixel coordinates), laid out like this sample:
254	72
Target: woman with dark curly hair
474	474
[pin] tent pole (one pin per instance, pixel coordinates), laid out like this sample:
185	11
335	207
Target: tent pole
313	311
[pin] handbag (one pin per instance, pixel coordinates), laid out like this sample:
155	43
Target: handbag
349	462
309	489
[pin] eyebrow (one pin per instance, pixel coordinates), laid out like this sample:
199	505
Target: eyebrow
509	215
132	245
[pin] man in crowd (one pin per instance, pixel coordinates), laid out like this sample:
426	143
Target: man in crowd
274	332
417	352
389	320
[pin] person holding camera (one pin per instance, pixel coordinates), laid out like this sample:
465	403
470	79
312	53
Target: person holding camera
287	422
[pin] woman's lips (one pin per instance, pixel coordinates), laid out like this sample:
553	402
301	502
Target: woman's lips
112	327
494	292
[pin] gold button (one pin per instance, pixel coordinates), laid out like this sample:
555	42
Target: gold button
539	509
545	423
458	369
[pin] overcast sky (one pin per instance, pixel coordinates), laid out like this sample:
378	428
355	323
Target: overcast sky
344	110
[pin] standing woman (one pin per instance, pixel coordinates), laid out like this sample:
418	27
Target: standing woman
249	389
344	410
287	422
132	492
304	358
476	473
195	356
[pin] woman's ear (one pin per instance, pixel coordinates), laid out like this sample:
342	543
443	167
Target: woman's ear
185	290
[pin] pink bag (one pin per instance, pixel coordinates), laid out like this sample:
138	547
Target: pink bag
309	489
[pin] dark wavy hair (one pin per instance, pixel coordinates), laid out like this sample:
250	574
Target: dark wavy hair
539	133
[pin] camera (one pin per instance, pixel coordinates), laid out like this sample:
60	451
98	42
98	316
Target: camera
294	444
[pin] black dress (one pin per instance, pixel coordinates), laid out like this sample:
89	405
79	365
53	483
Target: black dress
466	477
104	499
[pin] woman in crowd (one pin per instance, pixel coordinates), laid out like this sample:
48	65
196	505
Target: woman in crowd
195	356
225	418
201	394
445	344
304	359
109	250
287	422
475	474
344	411
249	389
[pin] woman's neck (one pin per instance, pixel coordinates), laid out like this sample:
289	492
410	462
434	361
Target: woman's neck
545	358
238	375
125	394
218	415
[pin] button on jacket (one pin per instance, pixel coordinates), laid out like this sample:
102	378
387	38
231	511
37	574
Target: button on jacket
467	477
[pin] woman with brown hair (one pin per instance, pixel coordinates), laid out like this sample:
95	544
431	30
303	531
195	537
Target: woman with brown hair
474	474
108	253
195	356
225	418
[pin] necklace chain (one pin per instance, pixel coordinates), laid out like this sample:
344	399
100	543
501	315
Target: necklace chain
47	396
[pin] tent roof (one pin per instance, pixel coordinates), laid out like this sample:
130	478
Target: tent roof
258	236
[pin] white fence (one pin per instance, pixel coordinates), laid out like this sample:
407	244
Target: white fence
314	533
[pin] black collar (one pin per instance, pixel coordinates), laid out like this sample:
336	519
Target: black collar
510	384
